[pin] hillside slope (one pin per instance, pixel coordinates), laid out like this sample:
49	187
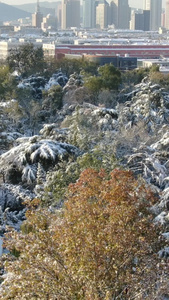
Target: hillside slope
31	7
10	13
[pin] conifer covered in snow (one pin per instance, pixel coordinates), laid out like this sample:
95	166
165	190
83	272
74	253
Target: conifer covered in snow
20	164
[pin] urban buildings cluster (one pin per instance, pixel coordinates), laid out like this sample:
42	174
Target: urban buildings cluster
98	14
97	30
102	14
117	13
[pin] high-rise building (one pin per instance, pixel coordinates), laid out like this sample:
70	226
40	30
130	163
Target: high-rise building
146	4
163	24
59	14
37	17
140	21
146	14
89	14
136	22
70	13
155	14
167	15
49	23
155	7
102	10
120	13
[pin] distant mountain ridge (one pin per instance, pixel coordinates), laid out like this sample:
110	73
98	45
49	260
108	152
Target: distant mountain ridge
11	13
31	7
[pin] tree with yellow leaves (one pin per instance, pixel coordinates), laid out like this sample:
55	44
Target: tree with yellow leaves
100	245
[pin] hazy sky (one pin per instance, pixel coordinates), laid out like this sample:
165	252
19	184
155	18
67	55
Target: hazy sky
133	3
15	2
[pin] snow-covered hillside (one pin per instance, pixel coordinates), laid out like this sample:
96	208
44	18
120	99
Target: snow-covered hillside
136	129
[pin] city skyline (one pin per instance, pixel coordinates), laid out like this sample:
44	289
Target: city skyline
132	3
19	2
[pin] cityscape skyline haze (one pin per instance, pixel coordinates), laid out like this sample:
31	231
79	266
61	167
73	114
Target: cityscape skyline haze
132	3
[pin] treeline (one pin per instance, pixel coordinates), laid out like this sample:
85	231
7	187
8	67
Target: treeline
27	60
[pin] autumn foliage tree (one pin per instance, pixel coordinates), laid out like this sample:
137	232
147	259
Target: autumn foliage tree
97	247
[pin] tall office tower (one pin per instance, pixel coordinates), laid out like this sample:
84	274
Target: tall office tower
155	14
89	14
163	25
140	21
146	5
37	17
120	13
49	23
102	14
167	15
155	7
59	14
146	14
137	20
70	13
110	15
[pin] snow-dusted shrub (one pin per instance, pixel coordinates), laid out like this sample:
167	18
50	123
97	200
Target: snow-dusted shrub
51	131
89	124
56	79
52	98
65	173
12	205
35	84
20	163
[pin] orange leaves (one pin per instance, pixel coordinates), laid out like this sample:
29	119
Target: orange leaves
88	250
95	187
103	216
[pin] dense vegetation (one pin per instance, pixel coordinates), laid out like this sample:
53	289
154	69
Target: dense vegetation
96	247
89	232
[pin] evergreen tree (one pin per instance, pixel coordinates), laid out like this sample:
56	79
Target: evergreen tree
26	59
